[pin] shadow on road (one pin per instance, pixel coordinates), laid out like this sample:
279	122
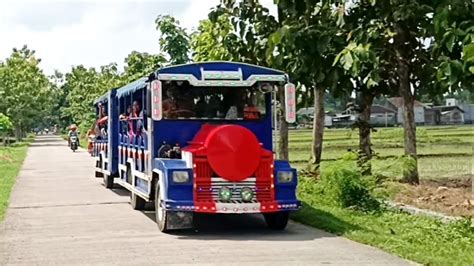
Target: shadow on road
48	144
120	191
50	138
253	227
48	141
249	228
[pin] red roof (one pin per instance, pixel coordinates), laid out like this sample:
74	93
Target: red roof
398	102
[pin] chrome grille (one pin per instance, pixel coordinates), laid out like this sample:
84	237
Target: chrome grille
217	183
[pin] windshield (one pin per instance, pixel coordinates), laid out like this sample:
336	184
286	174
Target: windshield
187	102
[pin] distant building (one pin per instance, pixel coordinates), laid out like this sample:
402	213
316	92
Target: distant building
450	115
468	109
347	118
396	103
305	117
382	116
432	115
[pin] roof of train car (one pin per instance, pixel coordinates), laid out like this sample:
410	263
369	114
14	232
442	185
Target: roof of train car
195	69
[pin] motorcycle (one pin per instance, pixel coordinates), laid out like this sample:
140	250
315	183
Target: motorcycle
73	143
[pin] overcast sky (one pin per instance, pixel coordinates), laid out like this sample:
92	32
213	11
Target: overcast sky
93	33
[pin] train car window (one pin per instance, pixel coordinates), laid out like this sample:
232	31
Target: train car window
188	102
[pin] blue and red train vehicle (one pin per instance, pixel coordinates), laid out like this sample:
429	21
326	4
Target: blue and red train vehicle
199	138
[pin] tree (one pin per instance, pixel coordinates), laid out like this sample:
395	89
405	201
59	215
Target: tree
252	25
453	47
306	45
24	90
141	64
5	126
214	40
239	31
57	100
368	63
84	86
401	28
174	40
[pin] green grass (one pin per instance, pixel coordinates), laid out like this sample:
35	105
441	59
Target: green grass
445	152
11	159
421	239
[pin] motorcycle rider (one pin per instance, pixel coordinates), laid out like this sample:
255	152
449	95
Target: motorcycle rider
72	131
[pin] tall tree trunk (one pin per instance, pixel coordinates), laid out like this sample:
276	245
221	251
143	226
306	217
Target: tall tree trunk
318	125
18	133
408	97
364	123
283	125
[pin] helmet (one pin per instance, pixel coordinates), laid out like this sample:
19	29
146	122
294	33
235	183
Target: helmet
73	127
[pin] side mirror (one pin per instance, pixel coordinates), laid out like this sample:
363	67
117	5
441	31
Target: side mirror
156	100
290	103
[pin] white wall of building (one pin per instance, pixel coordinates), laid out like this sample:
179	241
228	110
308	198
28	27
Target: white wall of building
419	115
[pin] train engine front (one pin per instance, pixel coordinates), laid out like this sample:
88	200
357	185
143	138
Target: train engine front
215	146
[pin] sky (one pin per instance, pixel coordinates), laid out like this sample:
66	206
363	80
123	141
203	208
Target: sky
65	33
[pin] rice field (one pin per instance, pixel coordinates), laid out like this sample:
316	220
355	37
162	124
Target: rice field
444	151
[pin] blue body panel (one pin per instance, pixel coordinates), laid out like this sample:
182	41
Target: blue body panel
113	133
285	191
176	192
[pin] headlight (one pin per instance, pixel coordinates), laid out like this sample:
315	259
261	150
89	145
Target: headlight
225	194
246	194
285	176
180	176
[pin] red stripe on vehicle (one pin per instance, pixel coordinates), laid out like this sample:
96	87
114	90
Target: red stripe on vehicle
203	200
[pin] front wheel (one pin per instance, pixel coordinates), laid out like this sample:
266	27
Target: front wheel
161	214
276	220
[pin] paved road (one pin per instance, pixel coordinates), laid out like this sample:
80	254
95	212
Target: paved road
60	214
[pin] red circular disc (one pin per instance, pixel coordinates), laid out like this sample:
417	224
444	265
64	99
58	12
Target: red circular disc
233	152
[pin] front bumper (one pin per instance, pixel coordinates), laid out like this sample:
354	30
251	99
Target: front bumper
232	207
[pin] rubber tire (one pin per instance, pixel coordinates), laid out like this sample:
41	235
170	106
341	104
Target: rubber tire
137	202
108	181
276	220
162	221
129	175
99	163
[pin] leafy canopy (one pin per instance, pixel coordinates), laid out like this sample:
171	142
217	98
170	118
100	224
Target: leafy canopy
174	40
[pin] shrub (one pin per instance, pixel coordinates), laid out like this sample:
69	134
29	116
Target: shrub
343	185
393	168
350	156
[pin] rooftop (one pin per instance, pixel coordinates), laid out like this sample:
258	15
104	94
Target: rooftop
377	109
398	102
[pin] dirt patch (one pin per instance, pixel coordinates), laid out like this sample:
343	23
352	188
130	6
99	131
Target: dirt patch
462	182
6	158
451	197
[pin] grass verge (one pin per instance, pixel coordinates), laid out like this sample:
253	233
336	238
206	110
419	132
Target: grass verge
421	239
11	159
